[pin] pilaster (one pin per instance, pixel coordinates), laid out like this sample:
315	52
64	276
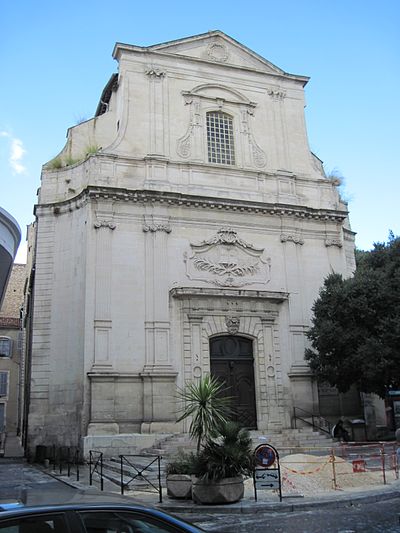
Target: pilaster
104	228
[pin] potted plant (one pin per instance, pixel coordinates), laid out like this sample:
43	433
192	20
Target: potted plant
221	465
179	475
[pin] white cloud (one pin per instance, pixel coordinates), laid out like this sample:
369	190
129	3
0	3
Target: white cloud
17	152
21	253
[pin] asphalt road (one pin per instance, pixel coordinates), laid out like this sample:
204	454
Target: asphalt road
22	481
382	517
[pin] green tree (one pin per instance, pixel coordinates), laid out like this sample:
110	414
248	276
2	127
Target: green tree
355	333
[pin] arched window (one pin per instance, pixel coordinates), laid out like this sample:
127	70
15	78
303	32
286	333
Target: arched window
220	138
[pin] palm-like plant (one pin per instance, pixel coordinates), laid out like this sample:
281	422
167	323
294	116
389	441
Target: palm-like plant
203	401
229	455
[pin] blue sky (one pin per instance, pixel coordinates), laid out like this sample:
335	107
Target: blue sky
56	58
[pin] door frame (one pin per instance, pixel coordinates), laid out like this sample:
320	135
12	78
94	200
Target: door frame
253	366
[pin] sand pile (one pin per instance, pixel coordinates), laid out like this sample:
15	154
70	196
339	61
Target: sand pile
309	475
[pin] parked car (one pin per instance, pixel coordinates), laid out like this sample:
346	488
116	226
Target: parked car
91	518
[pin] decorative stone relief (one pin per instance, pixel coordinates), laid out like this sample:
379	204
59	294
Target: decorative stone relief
226	260
218	52
232	324
184	144
156	227
150	226
276	94
333	242
288	237
258	156
155	73
104	224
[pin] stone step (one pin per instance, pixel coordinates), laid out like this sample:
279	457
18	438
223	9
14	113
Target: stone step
299	438
13	447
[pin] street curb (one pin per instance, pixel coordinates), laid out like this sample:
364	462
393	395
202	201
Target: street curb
245	507
252	507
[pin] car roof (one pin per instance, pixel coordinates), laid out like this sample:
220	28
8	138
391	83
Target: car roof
104	506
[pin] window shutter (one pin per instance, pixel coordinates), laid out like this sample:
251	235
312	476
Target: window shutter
5	347
3	383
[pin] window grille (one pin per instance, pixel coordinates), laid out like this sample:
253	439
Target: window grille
220	138
3	383
5	347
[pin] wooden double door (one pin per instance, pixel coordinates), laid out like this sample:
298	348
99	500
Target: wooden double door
232	362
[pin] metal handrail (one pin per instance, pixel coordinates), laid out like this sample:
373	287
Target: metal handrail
317	421
66	456
3	439
141	472
94	463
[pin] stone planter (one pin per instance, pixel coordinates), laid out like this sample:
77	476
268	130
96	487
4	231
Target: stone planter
228	490
179	486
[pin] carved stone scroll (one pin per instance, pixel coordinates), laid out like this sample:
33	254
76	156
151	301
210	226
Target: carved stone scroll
226	260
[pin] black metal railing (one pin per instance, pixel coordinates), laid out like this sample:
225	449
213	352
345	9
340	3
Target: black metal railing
96	466
140	472
66	457
3	438
318	422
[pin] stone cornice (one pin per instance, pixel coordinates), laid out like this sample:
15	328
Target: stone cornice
120	47
206	292
175	199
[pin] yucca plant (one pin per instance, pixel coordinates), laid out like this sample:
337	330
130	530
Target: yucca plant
204	403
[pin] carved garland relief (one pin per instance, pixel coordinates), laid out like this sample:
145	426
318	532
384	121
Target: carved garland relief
227	261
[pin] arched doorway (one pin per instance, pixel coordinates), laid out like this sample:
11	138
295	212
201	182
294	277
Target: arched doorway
231	358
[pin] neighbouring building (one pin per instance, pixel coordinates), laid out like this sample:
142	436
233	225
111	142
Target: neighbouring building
11	362
185	229
10	237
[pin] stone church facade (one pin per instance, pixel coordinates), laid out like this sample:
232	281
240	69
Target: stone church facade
185	229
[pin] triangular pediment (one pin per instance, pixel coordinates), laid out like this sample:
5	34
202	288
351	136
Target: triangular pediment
217	47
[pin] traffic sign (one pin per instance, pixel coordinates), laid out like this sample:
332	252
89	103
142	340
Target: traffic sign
265	455
267	478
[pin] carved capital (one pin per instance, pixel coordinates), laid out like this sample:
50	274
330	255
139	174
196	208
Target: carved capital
155	73
153	227
333	242
288	237
104	224
276	94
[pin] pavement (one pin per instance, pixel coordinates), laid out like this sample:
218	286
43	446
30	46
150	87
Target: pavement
32	484
37	485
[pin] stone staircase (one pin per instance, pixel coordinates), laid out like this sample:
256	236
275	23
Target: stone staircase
286	441
301	440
